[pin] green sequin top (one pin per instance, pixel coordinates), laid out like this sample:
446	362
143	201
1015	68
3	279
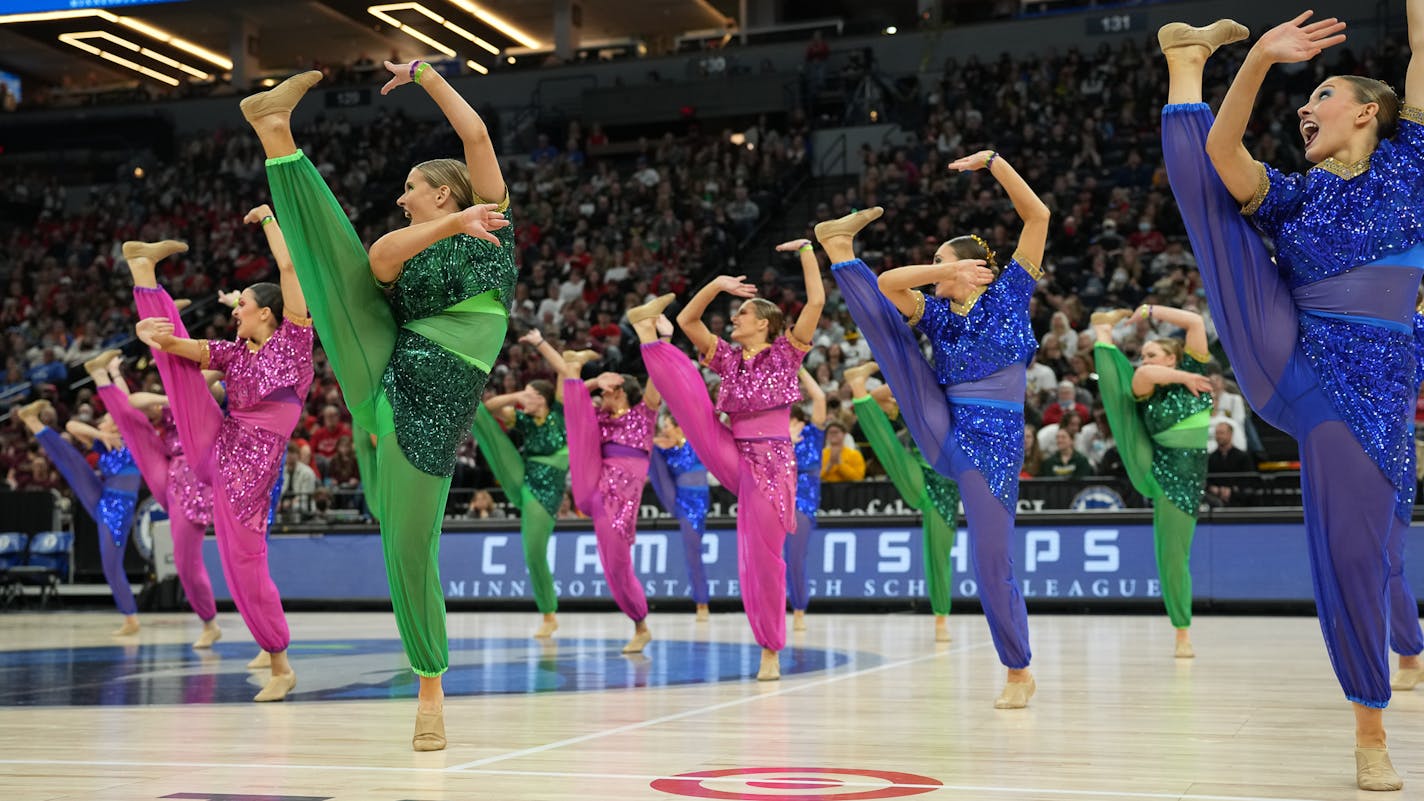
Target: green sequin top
545	481
943	492
1181	472
435	378
1170	404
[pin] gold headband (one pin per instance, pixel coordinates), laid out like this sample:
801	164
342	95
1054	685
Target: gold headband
988	251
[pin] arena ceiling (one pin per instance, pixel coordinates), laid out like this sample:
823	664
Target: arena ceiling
187	39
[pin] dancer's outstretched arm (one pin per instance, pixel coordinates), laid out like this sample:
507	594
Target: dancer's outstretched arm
810	316
390	253
817	396
964	276
1030	208
157	333
690	318
1287	43
651	396
1189	321
294	303
1150	376
502	406
555	360
485	176
87	435
147	400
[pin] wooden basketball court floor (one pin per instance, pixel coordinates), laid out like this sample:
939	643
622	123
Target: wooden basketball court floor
870	707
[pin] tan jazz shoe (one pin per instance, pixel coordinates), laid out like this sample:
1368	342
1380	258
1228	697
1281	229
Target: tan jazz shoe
770	666
153	251
546	630
1406	678
277	687
263	661
1016	694
1184	650
1374	771
1221	32
941	628
798	620
211	634
280	99
849	225
429	731
651	309
639	642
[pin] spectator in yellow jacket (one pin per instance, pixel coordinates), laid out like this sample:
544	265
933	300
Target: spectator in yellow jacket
840	461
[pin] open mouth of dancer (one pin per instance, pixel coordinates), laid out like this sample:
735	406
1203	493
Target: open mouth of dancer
1309	131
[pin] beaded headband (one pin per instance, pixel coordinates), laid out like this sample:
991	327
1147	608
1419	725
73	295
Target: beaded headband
988	251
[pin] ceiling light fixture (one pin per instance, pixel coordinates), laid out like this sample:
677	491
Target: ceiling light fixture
75	40
477	67
489	18
144	51
139	25
380	13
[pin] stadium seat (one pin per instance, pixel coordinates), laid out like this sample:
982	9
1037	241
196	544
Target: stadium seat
12	554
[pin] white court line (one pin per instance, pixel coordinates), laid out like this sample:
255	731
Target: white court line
643	724
651	778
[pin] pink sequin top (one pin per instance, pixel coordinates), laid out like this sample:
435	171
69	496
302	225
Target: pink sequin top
765	381
264	402
193	498
633	428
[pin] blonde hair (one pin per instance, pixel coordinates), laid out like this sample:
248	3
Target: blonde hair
766	310
1369	90
1172	347
452	173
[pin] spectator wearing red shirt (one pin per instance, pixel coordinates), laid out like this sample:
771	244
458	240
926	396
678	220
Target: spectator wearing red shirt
1067	402
324	438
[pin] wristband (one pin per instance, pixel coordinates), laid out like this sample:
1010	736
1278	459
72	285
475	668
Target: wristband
419	71
805	248
993	154
267	219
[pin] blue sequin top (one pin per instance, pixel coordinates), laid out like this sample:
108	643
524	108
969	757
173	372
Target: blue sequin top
114	463
681	459
987	334
808	451
1348	242
121	479
691	500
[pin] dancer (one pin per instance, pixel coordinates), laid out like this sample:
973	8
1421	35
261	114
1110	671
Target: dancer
533	476
968	418
109	497
753	456
609	451
1160	415
933	495
1320	340
808	437
146	424
239	454
680	481
412	360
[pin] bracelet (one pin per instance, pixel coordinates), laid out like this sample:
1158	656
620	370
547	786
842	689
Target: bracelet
993	154
805	248
416	72
267	219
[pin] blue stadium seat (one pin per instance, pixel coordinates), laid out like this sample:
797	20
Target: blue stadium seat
12	549
53	550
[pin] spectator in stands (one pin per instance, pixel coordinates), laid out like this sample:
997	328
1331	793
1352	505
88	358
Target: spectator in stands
298	486
1033	455
324	437
1042	381
1067	402
342	474
1065	461
840	461
1224	460
742	211
1062	331
482	507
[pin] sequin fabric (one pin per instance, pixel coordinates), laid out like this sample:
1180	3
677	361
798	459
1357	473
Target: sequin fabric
1369	374
545	482
943	492
193	498
992	438
1180	472
121	480
433	394
1323	225
620	489
692	499
772	464
633	428
432	391
994	334
249	456
808	469
765	381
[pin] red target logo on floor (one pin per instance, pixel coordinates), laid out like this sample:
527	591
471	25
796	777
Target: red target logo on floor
796	784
